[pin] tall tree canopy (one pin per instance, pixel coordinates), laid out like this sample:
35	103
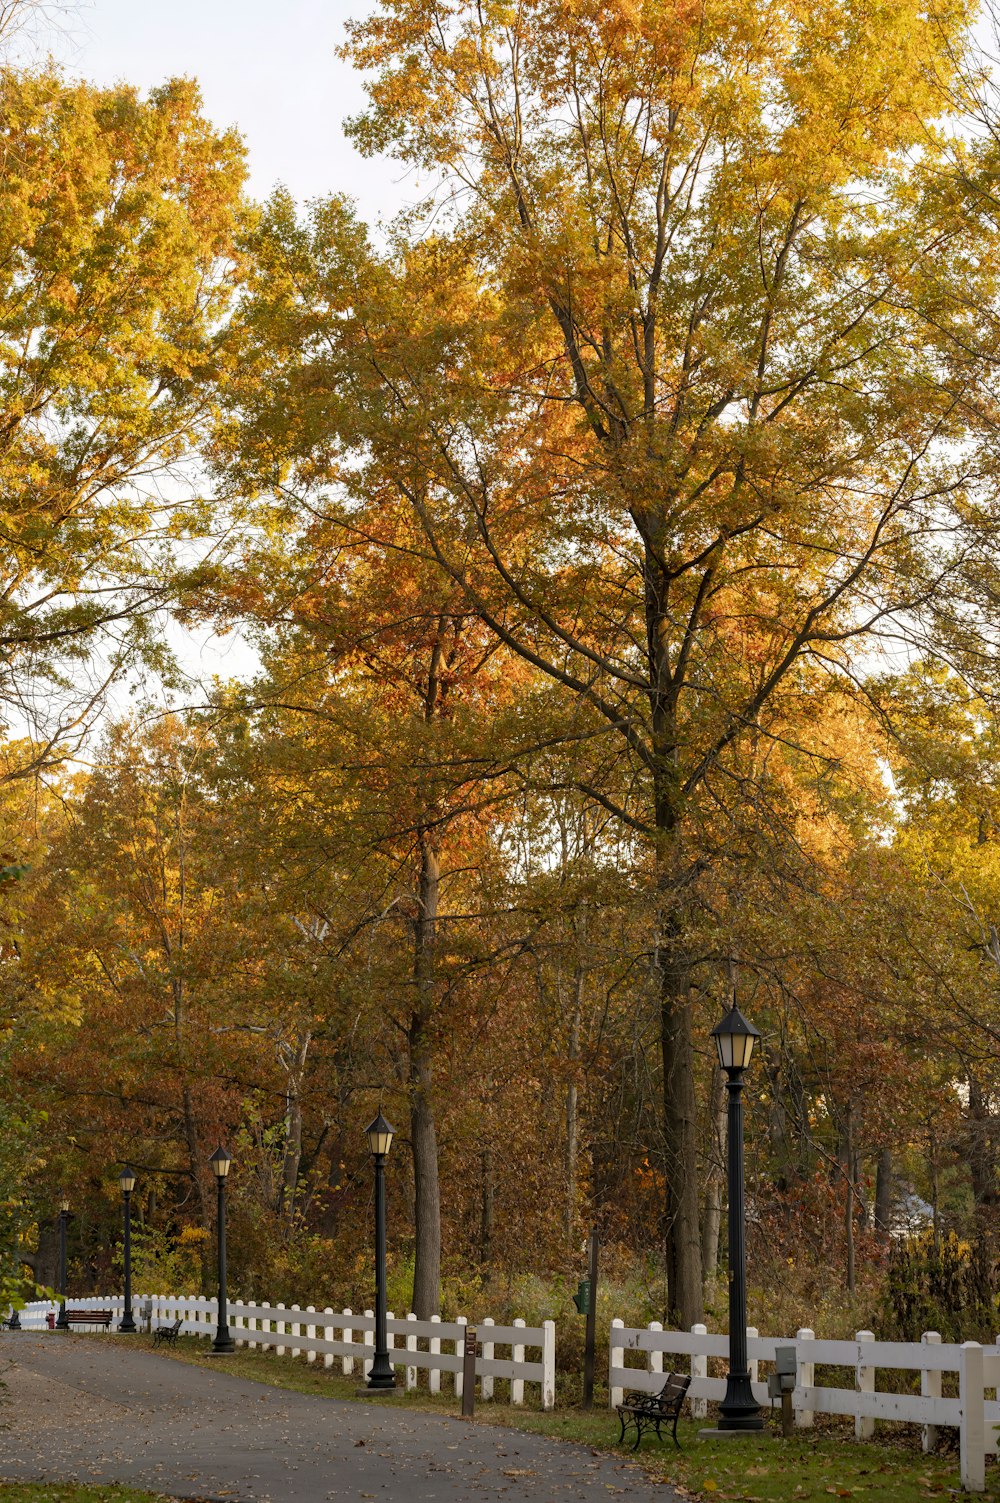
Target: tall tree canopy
687	381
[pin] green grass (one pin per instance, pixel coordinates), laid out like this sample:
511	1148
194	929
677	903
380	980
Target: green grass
811	1468
69	1492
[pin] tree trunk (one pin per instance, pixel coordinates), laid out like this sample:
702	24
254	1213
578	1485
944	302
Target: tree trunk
672	966
295	1065
44	1264
195	1156
883	1191
572	1099
980	1130
680	1132
486	1208
423	1134
850	1168
715	1178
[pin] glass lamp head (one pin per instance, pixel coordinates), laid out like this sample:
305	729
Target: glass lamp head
734	1038
220	1162
379	1135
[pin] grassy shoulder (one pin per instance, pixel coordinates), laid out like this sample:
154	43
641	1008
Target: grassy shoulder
69	1492
811	1468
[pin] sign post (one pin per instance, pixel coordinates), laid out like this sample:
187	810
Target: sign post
591	1338
469	1373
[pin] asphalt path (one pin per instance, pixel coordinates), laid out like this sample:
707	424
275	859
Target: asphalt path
77	1408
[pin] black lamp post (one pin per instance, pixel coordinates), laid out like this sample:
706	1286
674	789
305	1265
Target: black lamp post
381	1379
735	1038
62	1324
14	1322
223	1344
127	1181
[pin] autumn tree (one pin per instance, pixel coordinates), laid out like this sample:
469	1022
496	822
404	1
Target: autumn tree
117	239
682	387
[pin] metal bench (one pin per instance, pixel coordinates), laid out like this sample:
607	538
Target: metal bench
90	1318
163	1334
653	1408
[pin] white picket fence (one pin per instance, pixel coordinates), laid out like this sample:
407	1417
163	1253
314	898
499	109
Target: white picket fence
434	1345
978	1368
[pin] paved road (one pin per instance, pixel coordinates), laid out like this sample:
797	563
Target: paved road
77	1408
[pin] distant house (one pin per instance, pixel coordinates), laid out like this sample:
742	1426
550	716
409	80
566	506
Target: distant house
910	1215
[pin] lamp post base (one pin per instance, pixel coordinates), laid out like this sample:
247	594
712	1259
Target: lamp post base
223	1346
739	1412
127	1326
756	1433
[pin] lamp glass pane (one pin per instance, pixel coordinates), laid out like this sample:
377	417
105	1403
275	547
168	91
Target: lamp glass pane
65	1205
724	1043
127	1180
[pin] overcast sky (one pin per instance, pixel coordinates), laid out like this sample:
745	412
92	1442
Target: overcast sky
268	67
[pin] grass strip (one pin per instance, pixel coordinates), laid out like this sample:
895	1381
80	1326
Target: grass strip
71	1492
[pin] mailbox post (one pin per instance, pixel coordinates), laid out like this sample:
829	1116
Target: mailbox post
781	1384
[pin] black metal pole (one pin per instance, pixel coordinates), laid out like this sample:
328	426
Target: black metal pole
62	1324
223	1341
14	1324
739	1409
381	1375
127	1322
590	1343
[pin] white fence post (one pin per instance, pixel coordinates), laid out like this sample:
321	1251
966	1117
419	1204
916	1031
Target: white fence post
972	1417
252	1326
807	1374
930	1387
434	1347
517	1384
295	1329
699	1369
279	1326
752	1362
459	1349
615	1395
548	1364
239	1323
864	1424
369	1340
390	1339
347	1363
328	1328
411	1346
311	1333
655	1363
486	1384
